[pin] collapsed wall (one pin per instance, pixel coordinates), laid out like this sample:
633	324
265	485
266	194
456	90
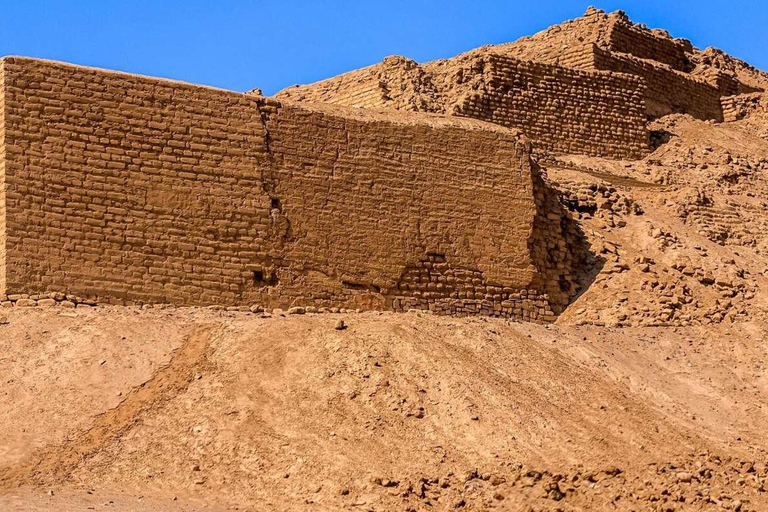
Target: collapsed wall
562	110
130	189
738	107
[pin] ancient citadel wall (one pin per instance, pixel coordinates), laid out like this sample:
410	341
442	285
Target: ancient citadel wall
625	37
611	42
562	110
2	179
668	91
129	189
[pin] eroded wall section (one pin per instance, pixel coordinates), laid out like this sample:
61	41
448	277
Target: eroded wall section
129	189
562	110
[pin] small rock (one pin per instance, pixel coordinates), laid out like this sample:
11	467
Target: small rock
3	320
256	309
684	476
46	303
26	303
67	304
340	325
296	310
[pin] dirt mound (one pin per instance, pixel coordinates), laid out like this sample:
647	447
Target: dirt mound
678	237
394	412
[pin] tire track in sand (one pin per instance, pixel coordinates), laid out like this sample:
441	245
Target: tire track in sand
54	464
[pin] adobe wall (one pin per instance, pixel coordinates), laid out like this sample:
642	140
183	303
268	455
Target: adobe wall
562	110
2	179
668	91
129	189
625	37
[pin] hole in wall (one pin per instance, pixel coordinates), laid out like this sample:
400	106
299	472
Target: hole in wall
262	278
436	257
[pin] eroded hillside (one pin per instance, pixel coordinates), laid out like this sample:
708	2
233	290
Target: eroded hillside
394	412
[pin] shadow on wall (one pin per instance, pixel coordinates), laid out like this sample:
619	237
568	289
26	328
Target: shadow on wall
566	265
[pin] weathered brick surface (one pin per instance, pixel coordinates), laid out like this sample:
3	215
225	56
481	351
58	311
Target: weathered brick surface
668	90
625	37
130	189
2	180
562	110
611	42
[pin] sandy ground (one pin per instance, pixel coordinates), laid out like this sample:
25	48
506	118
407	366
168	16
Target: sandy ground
233	411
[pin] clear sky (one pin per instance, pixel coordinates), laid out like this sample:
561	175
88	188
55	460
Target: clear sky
240	44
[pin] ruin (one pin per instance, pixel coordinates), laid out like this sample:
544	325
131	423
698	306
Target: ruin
587	86
393	187
127	189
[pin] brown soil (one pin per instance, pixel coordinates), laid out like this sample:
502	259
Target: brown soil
193	408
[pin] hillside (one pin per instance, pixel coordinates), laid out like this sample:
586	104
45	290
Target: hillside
395	411
647	392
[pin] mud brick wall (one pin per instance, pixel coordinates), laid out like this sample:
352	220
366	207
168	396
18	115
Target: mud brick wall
129	189
668	91
562	110
625	37
2	179
565	111
573	57
359	88
738	107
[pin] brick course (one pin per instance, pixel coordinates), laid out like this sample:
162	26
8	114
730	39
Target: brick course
562	110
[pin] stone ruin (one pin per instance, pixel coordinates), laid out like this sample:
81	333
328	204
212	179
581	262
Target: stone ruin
588	86
124	189
399	186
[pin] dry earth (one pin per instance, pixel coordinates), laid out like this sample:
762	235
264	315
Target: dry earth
181	409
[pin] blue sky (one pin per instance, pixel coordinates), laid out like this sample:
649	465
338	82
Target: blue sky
239	45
